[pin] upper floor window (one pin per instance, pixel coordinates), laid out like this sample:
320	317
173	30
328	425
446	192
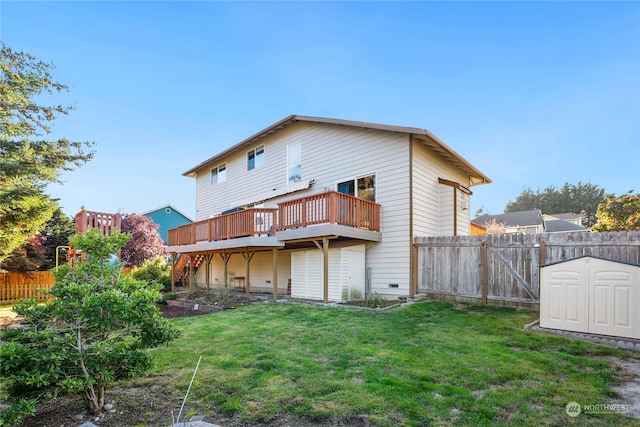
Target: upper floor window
294	163
363	187
219	174
255	158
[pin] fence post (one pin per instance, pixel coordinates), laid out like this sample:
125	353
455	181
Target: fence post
542	256
485	272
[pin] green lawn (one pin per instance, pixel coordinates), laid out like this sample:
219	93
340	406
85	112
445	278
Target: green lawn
430	363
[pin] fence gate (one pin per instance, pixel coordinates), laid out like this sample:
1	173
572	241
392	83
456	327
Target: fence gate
591	295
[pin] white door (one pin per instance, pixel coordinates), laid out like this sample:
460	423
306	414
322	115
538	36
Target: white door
355	274
591	295
563	299
615	304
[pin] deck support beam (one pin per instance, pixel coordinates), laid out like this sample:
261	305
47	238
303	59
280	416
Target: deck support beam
275	275
208	258
247	255
325	268
225	259
173	272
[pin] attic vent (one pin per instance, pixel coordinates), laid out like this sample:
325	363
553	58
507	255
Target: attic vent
167	210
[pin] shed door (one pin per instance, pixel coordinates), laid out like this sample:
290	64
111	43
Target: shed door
591	295
614	304
563	301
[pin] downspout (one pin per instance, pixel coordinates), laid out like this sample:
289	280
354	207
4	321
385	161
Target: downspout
413	282
455	211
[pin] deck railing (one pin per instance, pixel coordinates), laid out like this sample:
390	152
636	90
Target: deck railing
249	222
329	207
107	223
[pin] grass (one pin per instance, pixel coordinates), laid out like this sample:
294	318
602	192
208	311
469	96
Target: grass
430	363
7	311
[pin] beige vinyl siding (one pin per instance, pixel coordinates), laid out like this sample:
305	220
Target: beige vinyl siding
432	201
332	154
261	271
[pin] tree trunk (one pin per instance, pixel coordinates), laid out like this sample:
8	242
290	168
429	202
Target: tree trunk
94	396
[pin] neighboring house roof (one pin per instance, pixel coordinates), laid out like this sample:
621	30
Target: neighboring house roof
167	217
565	216
164	208
426	137
522	218
560	225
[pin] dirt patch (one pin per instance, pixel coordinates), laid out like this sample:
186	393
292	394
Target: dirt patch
629	390
146	405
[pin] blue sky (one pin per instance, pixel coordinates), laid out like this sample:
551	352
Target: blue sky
531	93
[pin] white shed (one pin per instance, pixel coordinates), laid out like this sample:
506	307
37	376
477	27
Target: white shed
591	295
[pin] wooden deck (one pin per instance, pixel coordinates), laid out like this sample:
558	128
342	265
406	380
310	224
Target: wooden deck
326	208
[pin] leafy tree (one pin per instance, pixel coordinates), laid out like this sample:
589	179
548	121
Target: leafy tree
57	232
94	332
569	198
145	243
619	213
28	257
27	165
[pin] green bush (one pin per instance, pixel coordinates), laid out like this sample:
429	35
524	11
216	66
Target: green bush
93	332
155	270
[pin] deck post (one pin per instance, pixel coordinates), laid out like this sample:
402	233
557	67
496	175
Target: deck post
225	259
325	267
208	258
173	272
191	272
247	260
275	275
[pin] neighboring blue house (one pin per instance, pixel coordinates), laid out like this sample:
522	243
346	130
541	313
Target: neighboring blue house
167	217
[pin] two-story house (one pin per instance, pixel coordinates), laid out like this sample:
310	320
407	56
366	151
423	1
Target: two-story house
329	207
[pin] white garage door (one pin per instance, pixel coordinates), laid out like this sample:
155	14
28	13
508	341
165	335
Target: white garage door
591	295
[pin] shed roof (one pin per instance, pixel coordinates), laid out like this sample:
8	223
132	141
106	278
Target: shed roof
426	137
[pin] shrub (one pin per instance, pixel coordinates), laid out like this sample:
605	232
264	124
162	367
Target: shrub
94	331
156	271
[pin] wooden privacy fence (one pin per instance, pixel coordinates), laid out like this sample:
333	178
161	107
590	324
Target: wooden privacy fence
503	269
15	286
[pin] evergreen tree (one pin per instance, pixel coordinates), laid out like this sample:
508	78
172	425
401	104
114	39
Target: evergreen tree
580	198
28	164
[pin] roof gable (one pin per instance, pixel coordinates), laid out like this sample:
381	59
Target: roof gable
423	135
164	208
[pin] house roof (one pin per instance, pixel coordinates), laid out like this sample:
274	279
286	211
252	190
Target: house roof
426	137
521	218
161	208
560	225
565	216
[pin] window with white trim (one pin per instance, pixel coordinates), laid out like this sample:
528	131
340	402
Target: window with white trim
219	174
255	158
363	187
294	163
